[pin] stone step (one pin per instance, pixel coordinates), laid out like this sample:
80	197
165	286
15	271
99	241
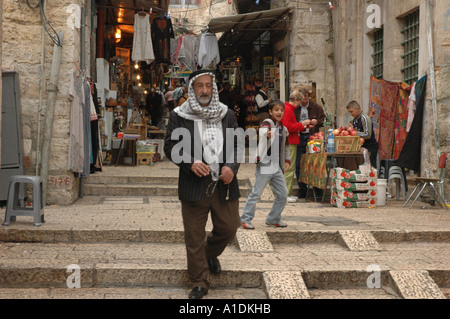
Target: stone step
138	190
141	186
173	280
305	267
249	239
153	293
143	180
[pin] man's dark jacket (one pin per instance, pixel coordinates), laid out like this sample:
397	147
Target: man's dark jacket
190	186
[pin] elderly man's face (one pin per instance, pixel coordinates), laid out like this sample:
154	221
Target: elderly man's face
203	88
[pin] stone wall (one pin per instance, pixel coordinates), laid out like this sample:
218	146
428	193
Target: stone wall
310	48
23	50
196	18
353	39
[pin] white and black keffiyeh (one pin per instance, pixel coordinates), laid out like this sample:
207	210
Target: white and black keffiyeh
209	121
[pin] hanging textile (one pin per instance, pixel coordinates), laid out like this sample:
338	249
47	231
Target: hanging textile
383	102
412	149
76	141
401	119
162	32
142	40
95	132
208	51
411	107
183	52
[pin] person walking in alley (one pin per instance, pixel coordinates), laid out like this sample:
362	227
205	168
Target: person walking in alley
206	184
274	160
294	128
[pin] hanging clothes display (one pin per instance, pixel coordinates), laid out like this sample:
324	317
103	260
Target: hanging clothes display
142	40
95	132
411	107
208	55
183	51
383	103
162	32
401	118
412	149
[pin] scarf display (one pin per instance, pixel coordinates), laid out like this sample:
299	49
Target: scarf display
209	122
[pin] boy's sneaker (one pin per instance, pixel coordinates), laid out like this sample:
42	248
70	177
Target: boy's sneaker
248	226
280	224
292	199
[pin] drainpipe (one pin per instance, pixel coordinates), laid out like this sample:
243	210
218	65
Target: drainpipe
433	80
48	128
41	81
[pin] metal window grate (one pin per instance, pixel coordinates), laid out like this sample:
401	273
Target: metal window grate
411	47
377	56
185	3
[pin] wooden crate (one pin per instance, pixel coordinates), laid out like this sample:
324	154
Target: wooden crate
145	159
347	144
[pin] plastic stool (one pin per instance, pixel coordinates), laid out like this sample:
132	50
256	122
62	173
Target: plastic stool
396	172
12	207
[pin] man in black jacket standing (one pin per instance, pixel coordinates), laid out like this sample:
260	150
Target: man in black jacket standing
207	176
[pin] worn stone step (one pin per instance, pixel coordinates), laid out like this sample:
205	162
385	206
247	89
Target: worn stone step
322	266
415	284
262	242
154	293
129	180
145	180
139	190
59	279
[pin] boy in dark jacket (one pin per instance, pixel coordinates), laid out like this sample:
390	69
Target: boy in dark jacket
274	160
362	123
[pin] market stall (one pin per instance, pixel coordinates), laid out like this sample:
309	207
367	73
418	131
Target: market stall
132	61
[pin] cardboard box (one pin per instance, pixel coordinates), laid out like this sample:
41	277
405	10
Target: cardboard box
354	196
145	159
342	185
353	176
342	203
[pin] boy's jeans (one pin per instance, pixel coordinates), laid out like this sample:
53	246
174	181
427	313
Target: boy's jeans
278	184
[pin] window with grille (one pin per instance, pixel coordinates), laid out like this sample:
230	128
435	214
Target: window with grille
377	56
411	47
185	3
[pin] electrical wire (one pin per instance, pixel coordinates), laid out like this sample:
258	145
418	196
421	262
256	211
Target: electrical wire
46	25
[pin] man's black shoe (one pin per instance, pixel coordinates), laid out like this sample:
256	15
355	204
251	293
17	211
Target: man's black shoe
198	293
214	266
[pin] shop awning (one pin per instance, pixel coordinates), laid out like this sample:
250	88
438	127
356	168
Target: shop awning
239	31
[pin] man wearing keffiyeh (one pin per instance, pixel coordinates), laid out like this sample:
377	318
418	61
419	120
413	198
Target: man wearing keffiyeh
207	177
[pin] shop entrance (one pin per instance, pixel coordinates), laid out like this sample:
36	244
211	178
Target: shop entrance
253	54
143	61
131	64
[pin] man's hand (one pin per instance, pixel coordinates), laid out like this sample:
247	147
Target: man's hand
200	169
286	166
227	175
306	123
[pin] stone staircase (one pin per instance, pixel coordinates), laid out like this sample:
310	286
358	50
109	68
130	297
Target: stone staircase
125	239
140	186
